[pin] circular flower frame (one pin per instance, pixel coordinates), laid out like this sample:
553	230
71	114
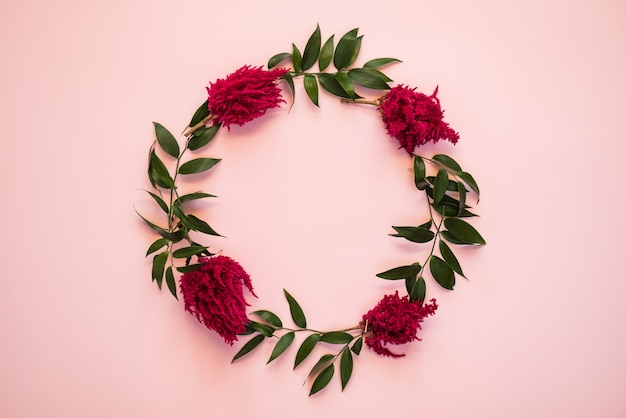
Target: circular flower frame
213	285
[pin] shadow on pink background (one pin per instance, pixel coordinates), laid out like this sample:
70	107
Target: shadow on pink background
306	199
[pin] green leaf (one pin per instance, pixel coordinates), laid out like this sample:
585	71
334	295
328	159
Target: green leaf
157	172
450	238
261	328
296	311
321	363
442	272
322	379
368	77
347	49
357	346
296	59
198	165
166	140
469	180
158	267
249	346
192	196
283	343
187	269
310	86
188	251
331	85
199	140
413	233
171	283
345	368
419	172
199	225
201	113
289	79
447	162
269	317
160	202
326	54
463	231
306	348
462	195
157	245
346	84
417	290
312	49
276	59
379	62
450	258
336	337
170	236
402	272
440	186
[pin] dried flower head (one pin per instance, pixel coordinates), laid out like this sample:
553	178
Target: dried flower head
214	294
244	95
394	320
414	118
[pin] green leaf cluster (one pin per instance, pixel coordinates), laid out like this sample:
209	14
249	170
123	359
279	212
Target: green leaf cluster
343	55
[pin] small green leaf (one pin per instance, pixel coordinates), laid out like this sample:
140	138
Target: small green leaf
160	202
276	59
306	348
450	258
462	195
261	328
321	363
322	379
402	272
469	180
157	245
368	77
166	140
289	79
379	62
201	113
171	283
310	86
447	162
199	225
269	317
198	165
283	343
249	346
413	233
450	238
463	231
336	337
419	172
158	267
418	290
296	59
345	368
357	346
326	54
440	186
187	269
442	272
157	172
296	311
346	84
199	140
331	85
312	49
192	196
347	49
188	251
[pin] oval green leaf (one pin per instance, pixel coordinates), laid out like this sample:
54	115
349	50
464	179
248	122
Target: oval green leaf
312	49
326	54
347	49
442	272
296	59
345	368
198	141
413	233
197	224
450	258
418	290
469	180
160	202
447	162
419	172
201	113
322	379
402	272
336	337
157	172
276	59
331	85
269	317
346	84
462	196
198	165
310	86
158	267
440	186
187	269
249	346
306	348
296	311
192	196
166	140
261	328
283	343
357	346
171	283
368	77
188	251
157	245
463	231
379	62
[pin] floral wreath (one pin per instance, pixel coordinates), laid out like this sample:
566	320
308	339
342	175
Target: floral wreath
212	285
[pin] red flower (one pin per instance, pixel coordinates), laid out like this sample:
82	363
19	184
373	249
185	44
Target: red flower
214	294
414	118
244	95
394	320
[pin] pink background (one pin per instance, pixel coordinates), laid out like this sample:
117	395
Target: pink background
307	198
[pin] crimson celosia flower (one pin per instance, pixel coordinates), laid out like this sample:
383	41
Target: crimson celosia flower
414	118
214	294
394	320
244	95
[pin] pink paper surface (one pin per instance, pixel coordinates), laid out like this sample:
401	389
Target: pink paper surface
306	199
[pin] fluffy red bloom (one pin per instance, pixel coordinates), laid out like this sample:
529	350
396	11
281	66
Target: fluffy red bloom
214	294
394	320
414	118
244	95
